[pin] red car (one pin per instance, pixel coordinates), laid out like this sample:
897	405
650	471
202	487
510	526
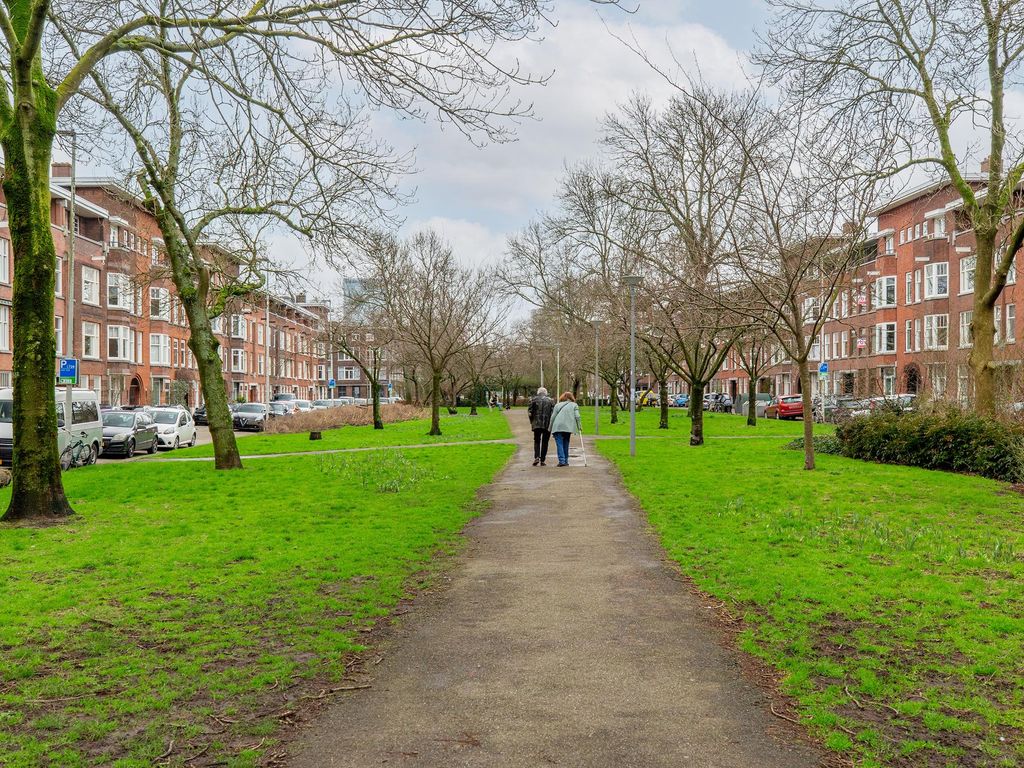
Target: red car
786	407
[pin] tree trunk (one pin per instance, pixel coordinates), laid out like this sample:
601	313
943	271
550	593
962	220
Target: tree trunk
473	396
983	330
193	290
663	397
435	403
613	401
805	394
751	402
378	419
27	140
697	413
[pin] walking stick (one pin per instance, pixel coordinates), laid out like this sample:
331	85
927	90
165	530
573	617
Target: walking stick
584	447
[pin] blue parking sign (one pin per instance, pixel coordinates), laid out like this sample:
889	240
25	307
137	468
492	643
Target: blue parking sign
330	383
67	372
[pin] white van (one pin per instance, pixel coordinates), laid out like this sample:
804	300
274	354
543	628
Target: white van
86	424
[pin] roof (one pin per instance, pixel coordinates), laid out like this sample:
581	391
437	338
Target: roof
923	190
81	204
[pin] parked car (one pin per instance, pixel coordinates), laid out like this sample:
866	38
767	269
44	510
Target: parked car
175	426
125	432
785	407
279	409
680	401
85	422
253	416
199	415
303	406
322	405
344	401
713	400
283	397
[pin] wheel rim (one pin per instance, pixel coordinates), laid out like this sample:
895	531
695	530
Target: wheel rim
176	442
131	448
94	454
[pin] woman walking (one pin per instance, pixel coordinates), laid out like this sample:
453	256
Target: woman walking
565	422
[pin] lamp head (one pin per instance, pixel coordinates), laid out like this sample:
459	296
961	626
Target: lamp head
632	281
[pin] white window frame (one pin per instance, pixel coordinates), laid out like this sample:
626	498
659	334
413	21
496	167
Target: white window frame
936	280
5	261
965	338
159	349
90	331
238	361
238	327
1011	323
968	265
122	284
162	296
122	335
885	338
884	289
908	336
936	332
90	286
58	329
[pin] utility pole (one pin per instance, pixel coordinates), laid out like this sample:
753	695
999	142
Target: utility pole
69	304
632	281
597	378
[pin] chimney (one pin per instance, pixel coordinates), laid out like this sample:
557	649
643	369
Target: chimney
300	298
986	164
61	170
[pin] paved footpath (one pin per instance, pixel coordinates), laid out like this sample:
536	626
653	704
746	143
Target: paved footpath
563	639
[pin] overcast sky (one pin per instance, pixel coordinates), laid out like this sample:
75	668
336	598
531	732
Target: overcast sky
477	196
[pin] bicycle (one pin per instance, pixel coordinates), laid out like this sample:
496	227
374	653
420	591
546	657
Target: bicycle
77	454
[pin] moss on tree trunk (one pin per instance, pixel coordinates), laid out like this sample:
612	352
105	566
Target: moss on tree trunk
27	139
983	330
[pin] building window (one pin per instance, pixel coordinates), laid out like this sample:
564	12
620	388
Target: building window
908	293
260	363
91	341
917	334
936	280
917	286
885	338
967	266
237	327
884	292
113	235
966	318
238	361
1011	274
119	342
1011	323
58	288
937	378
159	304
120	294
5	261
159	349
936	331
844	341
924	228
90	286
350	374
917	231
889	380
908	336
903	236
890	245
963	384
940	225
259	334
58	329
215	324
5	328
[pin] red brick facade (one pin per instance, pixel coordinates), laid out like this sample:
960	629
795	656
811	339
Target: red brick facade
130	331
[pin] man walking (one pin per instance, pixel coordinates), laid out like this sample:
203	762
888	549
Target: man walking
540	415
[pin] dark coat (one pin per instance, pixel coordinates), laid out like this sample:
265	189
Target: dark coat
540	411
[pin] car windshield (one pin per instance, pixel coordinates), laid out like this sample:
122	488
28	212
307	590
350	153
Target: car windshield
6	411
279	407
321	402
118	419
165	417
302	403
250	408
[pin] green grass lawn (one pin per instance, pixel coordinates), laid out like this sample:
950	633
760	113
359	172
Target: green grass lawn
488	425
890	598
715	424
191	606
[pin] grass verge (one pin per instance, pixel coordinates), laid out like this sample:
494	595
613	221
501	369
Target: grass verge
715	424
185	612
888	597
461	427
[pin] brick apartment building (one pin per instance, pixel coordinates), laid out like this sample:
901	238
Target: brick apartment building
130	332
901	322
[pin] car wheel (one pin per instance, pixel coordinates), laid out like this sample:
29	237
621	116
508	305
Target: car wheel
129	450
152	446
177	443
193	440
94	454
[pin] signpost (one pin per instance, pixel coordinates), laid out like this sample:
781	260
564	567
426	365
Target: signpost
67	372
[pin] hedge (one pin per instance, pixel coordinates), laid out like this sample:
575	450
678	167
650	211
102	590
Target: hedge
945	438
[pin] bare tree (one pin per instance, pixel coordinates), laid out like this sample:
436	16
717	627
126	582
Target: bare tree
434	58
434	306
924	69
754	349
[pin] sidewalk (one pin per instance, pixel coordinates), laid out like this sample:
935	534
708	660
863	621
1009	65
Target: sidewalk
563	639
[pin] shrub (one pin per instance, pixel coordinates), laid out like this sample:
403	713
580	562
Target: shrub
344	416
941	437
822	444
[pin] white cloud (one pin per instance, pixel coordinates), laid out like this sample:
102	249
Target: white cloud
473	243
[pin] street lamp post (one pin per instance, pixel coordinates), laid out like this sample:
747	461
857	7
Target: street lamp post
597	378
632	281
69	305
558	368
